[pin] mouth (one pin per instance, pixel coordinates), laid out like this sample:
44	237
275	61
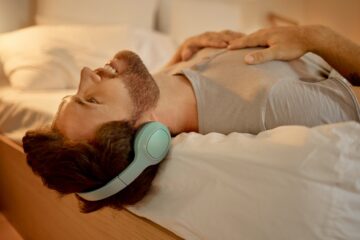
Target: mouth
107	71
108	68
123	62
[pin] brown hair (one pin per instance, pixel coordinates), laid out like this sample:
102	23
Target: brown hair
71	167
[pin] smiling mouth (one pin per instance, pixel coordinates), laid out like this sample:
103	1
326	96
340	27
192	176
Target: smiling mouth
106	71
110	69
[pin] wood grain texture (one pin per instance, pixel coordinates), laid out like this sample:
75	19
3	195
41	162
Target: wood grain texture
38	213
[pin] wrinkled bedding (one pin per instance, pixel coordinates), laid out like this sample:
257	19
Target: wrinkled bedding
24	110
291	182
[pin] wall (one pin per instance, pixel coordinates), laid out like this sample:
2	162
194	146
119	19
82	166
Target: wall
341	15
253	12
15	14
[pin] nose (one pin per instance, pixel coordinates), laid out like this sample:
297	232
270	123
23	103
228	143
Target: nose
88	77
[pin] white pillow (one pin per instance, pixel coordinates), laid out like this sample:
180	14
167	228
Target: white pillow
51	57
138	13
190	18
3	79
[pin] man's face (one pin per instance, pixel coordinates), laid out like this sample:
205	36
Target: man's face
122	90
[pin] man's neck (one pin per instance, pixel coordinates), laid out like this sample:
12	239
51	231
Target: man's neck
176	107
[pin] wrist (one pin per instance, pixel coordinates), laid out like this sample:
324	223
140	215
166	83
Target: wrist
316	38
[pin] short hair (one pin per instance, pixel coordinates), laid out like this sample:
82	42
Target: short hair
70	167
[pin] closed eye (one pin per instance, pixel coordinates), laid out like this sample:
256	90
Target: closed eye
92	100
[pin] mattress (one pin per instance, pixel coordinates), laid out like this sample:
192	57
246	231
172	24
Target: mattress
23	110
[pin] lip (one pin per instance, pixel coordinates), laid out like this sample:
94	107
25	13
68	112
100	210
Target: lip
119	65
105	72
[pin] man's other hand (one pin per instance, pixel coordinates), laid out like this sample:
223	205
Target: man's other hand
283	43
208	39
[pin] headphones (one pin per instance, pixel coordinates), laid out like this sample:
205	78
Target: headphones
152	143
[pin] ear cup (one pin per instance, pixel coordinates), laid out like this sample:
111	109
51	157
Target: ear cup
152	142
158	144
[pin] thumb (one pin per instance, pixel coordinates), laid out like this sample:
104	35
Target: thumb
260	56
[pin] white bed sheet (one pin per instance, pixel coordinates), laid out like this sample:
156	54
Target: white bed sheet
291	182
23	110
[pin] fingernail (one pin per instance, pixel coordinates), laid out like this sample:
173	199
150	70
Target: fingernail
249	59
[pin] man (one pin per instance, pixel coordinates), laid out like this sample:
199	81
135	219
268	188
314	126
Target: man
177	92
220	89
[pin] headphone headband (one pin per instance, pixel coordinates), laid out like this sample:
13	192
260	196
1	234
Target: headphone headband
152	143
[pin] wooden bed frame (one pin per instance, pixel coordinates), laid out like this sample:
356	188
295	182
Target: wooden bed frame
38	213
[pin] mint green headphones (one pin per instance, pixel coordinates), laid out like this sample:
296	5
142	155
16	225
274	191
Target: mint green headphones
152	143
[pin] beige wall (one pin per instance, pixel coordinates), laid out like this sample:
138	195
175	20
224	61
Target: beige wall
342	15
15	14
254	12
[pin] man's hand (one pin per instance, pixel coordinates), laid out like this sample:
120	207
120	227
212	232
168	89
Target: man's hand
208	39
284	43
288	43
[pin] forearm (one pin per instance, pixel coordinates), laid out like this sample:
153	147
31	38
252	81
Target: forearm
341	53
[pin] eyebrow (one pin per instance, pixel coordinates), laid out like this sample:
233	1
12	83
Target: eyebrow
81	102
77	100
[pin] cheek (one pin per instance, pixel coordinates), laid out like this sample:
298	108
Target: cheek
121	109
120	102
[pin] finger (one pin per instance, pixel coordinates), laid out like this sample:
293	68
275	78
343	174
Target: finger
205	41
228	35
190	49
252	40
261	56
212	42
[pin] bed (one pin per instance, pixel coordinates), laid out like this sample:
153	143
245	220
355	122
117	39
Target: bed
291	182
